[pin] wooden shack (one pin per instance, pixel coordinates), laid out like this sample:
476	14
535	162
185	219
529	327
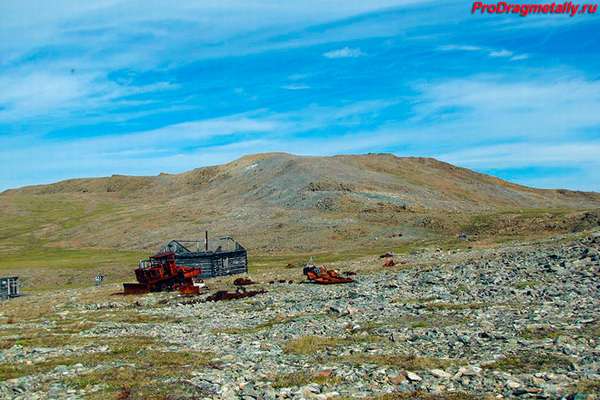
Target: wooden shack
9	287
225	256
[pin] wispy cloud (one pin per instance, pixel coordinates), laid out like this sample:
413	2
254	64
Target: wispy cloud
493	53
345	52
519	57
32	93
296	86
501	53
458	47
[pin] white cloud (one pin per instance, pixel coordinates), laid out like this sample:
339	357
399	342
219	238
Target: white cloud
296	86
31	92
345	52
523	154
158	28
579	158
494	53
553	105
501	53
520	57
454	47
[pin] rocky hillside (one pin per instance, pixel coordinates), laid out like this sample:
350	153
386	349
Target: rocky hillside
512	322
279	201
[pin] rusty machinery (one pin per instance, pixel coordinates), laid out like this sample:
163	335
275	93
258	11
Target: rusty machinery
323	276
161	272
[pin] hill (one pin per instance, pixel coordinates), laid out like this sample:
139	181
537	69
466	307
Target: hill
279	203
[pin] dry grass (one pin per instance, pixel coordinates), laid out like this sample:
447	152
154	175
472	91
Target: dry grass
46	339
311	344
135	317
589	386
524	284
148	375
530	361
120	349
133	365
306	345
453	306
540	332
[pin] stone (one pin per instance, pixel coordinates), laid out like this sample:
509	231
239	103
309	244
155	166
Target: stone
469	371
413	376
513	384
397	379
438	373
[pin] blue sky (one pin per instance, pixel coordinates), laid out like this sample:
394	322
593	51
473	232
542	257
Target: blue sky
142	87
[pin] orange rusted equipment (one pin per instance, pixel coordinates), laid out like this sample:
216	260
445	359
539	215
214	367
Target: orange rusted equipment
323	276
240	293
160	272
243	282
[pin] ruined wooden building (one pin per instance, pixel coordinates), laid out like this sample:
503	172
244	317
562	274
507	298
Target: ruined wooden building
9	287
222	257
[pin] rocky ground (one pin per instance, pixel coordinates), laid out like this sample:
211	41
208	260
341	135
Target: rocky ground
515	321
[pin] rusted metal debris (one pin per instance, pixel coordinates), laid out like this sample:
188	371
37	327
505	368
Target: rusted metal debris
238	294
388	262
387	255
243	282
161	272
323	276
189	290
280	281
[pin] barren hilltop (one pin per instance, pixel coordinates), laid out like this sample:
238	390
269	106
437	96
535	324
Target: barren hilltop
281	202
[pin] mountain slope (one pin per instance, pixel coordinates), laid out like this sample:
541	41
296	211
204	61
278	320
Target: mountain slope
277	201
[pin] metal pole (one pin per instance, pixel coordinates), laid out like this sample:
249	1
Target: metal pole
205	240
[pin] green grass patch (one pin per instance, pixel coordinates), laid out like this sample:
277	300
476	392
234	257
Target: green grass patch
152	375
524	284
133	317
588	386
126	348
530	361
60	258
540	332
311	344
453	306
306	345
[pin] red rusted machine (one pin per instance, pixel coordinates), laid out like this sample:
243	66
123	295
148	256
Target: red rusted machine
161	272
323	276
